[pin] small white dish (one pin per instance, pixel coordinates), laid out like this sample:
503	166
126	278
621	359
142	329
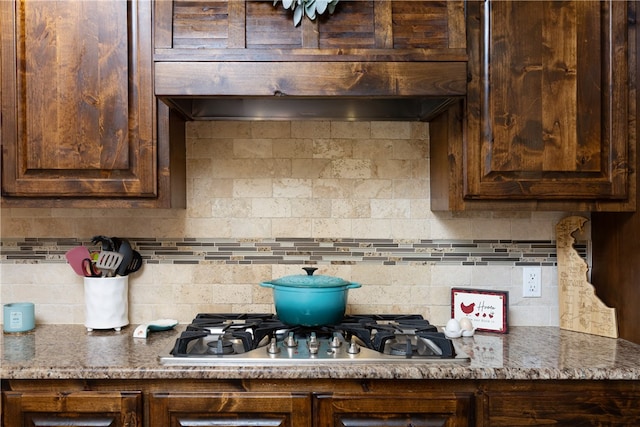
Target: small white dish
154	326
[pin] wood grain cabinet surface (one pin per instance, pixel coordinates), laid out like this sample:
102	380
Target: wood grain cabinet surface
72	409
373	50
595	405
310	409
79	114
174	409
256	30
548	122
427	409
320	403
549	119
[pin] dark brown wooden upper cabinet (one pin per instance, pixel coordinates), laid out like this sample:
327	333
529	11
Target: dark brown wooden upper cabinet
78	110
549	120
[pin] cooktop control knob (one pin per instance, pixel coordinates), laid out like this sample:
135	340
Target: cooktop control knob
290	340
273	348
335	341
354	348
313	343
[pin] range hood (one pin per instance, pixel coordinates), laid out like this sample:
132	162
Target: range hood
309	108
407	91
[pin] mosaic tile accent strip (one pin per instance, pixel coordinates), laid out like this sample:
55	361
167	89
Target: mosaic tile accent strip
304	251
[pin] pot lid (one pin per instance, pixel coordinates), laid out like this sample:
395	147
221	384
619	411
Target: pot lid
310	281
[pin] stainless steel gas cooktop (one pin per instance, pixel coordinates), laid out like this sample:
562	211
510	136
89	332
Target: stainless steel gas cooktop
242	339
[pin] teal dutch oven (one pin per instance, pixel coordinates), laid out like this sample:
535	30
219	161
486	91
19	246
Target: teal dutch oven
309	300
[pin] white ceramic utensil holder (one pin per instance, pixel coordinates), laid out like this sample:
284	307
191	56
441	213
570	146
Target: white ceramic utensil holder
106	302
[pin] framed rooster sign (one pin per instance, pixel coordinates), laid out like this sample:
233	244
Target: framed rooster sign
486	309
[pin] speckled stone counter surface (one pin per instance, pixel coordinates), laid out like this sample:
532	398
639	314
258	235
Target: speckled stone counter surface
70	352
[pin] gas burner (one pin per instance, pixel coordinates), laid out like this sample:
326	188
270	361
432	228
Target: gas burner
220	347
213	338
402	349
424	345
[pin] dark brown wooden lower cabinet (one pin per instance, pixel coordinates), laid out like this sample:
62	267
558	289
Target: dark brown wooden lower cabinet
561	408
430	410
319	403
230	409
73	409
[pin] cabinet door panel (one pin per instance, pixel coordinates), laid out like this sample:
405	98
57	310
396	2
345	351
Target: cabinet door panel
77	99
548	102
445	410
569	409
230	409
77	409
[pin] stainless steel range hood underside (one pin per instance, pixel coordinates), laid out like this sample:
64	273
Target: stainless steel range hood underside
349	90
310	108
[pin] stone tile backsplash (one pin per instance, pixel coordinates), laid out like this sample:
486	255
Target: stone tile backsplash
301	251
263	199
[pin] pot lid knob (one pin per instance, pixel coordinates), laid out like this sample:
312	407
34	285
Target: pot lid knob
309	270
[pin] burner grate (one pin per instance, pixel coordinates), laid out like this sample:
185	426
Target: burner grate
227	335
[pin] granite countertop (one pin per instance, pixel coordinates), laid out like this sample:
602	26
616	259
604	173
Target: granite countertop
70	352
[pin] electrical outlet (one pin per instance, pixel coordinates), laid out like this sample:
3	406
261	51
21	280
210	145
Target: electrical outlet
531	282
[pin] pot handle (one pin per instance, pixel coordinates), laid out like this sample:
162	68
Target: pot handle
353	285
267	285
310	270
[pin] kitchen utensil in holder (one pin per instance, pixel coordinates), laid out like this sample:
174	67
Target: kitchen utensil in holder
106	302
